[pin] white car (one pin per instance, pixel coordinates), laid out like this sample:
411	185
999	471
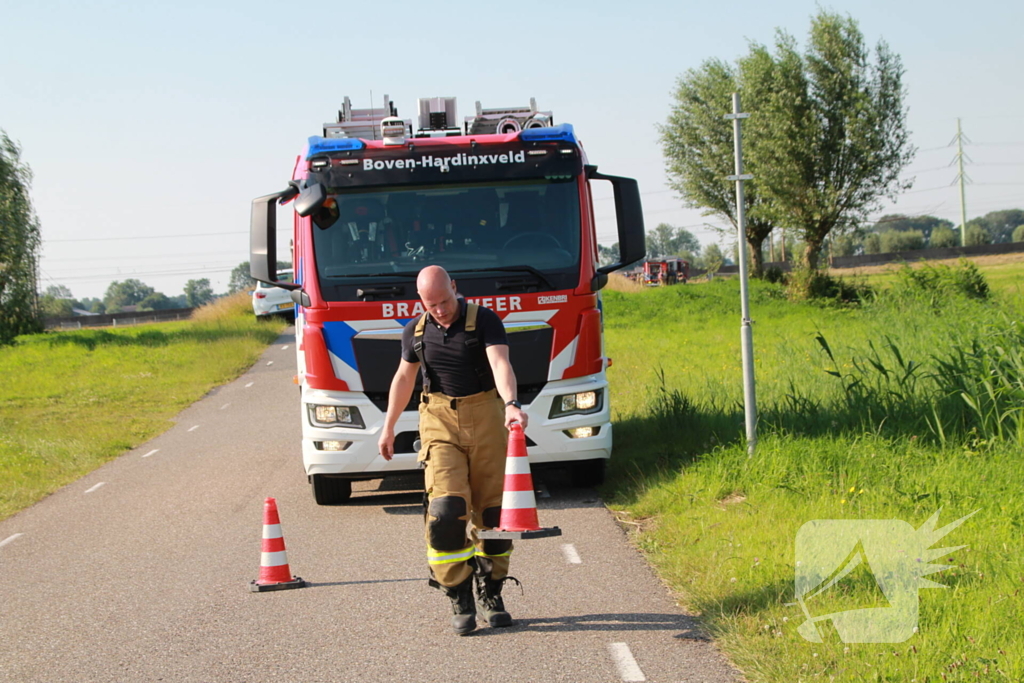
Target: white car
271	300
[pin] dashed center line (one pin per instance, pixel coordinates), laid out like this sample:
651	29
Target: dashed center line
224	406
249	384
193	428
629	670
270	362
571	556
95	487
284	348
9	539
151	452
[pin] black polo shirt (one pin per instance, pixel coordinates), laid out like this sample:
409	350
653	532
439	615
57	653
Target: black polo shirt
447	358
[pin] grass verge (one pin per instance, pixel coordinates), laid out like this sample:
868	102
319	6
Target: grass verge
874	423
71	401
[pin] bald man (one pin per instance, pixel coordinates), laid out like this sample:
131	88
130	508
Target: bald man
468	402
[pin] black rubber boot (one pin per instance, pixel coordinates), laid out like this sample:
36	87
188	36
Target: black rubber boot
488	599
463	609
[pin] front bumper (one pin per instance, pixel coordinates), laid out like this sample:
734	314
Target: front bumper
361	458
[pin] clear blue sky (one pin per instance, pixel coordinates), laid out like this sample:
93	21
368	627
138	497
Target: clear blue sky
147	120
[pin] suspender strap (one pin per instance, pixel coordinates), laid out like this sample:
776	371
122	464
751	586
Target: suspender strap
476	349
417	346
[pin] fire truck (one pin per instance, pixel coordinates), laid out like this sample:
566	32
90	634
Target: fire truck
504	203
668	271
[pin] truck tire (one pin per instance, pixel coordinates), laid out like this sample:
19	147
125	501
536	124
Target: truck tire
331	490
587	473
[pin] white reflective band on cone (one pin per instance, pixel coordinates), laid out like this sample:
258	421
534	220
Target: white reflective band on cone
517	466
518	500
271	531
273	559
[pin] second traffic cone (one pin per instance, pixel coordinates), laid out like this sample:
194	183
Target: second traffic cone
275	574
518	504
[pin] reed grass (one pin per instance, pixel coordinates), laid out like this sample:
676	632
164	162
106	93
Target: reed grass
906	404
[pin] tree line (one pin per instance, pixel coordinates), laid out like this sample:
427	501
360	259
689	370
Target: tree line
899	232
58	301
132	294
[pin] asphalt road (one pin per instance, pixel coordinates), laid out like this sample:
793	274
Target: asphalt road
140	571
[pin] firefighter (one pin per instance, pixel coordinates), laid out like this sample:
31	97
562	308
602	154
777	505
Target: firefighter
467	405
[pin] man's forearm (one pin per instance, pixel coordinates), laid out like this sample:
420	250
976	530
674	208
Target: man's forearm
505	382
398	399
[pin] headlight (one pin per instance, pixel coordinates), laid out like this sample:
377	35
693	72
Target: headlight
583	403
332	416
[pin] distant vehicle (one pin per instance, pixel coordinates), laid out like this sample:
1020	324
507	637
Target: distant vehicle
270	300
667	271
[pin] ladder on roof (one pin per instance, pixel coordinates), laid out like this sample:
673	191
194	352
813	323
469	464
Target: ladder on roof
361	123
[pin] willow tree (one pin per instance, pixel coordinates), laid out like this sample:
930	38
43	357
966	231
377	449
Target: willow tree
828	137
19	245
697	143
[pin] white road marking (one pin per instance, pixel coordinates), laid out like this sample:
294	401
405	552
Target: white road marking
571	556
224	406
249	384
270	362
194	428
629	670
96	487
151	452
284	348
9	539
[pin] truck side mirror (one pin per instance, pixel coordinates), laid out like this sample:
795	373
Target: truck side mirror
310	199
263	238
629	217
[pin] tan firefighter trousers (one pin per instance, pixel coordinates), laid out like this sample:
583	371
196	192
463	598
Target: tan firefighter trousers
463	449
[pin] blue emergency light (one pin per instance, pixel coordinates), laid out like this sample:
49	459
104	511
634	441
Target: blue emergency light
319	145
560	133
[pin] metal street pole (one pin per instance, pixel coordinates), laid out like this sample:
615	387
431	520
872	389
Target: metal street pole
746	331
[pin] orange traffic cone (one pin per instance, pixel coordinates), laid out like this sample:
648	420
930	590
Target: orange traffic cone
518	504
274	572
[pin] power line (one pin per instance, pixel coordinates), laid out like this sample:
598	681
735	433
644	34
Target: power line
132	256
927	189
928	170
147	237
603	199
172	266
182	270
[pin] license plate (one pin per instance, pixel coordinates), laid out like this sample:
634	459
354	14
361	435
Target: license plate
282	307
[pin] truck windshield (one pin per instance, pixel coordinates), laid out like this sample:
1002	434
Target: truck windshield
381	235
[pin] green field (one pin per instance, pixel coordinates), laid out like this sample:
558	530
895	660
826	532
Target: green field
922	412
70	401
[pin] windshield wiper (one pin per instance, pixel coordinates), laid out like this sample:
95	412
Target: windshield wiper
511	269
371	293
